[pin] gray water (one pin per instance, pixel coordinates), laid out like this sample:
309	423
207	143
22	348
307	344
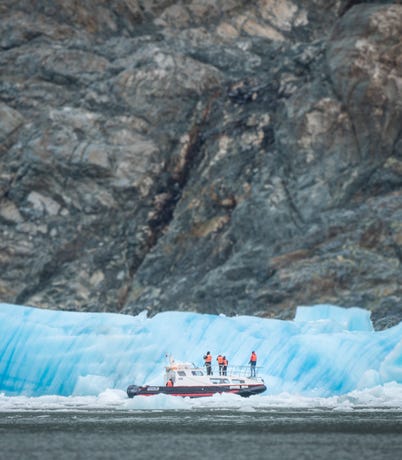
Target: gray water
202	434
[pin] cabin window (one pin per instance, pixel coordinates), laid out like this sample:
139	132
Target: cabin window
219	381
181	373
197	372
237	381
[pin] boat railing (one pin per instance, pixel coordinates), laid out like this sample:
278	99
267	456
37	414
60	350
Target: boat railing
243	371
240	371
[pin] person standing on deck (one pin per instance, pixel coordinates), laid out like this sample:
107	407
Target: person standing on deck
225	366
253	363
208	363
220	364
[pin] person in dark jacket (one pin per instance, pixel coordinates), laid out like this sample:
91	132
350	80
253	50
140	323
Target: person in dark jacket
208	363
225	366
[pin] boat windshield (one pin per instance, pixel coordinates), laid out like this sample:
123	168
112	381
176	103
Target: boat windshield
197	372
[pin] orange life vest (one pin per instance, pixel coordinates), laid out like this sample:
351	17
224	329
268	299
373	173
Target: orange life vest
208	358
225	362
220	359
169	383
253	358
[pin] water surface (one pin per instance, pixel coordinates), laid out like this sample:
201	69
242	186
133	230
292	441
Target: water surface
314	433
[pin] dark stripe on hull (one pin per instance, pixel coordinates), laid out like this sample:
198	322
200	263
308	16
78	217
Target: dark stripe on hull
195	392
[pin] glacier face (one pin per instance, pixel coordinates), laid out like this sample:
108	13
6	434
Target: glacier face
325	351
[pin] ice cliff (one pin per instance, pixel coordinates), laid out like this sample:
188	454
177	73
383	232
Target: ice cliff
326	350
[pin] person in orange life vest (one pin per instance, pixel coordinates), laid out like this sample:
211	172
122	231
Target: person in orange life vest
220	363
169	383
208	363
253	363
225	366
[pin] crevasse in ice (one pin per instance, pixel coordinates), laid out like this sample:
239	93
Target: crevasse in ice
326	350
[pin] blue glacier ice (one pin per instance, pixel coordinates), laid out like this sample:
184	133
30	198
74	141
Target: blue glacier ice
325	351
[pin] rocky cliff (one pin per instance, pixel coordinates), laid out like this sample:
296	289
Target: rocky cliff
237	157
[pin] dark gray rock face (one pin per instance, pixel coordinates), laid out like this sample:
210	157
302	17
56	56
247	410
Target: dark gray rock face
224	157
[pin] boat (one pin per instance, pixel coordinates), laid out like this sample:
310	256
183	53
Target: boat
187	380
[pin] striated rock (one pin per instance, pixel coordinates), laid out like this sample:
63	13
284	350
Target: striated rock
10	121
9	212
365	61
224	157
